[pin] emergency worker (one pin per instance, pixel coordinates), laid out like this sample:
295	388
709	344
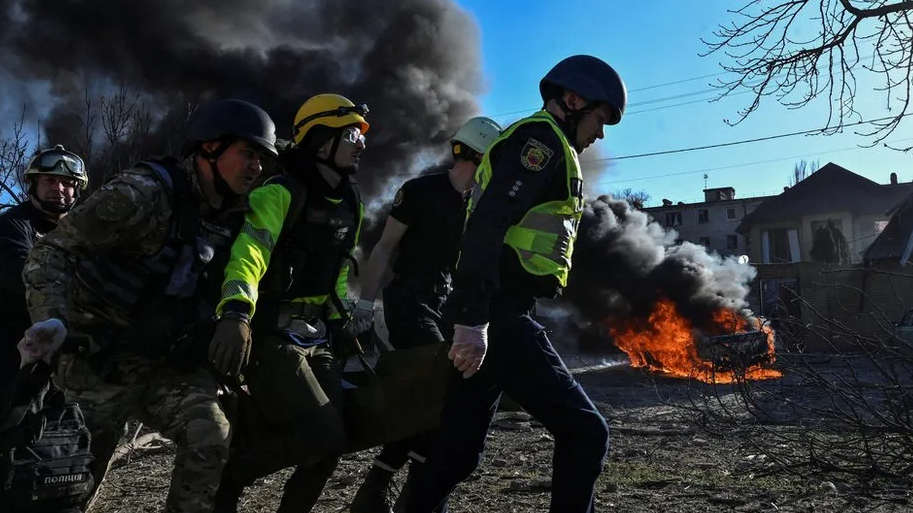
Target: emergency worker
53	179
125	284
516	248
424	229
287	281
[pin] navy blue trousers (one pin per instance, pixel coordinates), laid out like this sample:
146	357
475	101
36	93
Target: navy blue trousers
521	362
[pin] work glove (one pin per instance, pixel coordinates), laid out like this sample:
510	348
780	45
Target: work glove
470	343
43	339
229	350
362	317
345	342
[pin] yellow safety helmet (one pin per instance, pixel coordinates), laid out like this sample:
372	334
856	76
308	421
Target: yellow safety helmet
327	109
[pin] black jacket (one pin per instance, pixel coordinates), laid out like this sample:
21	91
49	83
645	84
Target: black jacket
20	227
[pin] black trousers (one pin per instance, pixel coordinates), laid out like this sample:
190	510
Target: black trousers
521	362
295	404
413	318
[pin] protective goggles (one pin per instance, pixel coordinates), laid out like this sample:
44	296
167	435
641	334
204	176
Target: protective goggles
61	160
361	110
352	135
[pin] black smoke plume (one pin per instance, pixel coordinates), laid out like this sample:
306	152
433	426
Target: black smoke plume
414	62
624	263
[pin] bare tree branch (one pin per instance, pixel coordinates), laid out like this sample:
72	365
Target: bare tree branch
15	152
636	199
769	58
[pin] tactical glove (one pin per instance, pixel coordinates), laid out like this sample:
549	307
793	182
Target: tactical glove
345	342
363	317
229	350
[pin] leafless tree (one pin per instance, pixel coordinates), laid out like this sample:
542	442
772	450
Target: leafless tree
118	113
801	170
173	126
15	152
772	54
636	198
86	141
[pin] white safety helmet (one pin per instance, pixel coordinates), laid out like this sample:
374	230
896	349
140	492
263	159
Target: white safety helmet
478	133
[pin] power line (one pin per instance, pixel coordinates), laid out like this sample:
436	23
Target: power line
673	97
702	100
742	141
733	166
646	88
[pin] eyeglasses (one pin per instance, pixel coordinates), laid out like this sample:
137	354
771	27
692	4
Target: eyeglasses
55	159
352	135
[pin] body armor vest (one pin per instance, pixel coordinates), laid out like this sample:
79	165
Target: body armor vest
170	294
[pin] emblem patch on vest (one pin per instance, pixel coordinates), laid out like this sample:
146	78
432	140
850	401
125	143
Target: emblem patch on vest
398	199
535	155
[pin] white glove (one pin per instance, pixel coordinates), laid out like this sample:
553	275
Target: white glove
470	343
43	339
363	316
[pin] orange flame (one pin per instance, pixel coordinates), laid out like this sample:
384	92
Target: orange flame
666	343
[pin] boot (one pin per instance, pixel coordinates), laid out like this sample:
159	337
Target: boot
228	496
400	506
303	489
375	493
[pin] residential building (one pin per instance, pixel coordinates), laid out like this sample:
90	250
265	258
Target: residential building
782	228
895	243
711	223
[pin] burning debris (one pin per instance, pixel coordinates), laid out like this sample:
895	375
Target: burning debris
667	342
673	308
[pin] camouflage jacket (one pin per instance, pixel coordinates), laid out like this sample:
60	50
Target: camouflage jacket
130	217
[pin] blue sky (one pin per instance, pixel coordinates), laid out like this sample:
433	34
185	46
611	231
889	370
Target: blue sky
658	42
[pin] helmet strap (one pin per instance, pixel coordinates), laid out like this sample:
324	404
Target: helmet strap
330	161
218	181
572	118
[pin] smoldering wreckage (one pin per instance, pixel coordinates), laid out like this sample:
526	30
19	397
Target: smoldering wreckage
672	308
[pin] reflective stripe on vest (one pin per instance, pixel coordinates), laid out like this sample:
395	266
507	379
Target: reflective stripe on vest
544	238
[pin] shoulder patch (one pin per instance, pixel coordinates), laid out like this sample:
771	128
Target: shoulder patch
535	155
398	199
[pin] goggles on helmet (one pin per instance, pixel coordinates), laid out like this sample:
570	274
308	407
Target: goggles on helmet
361	110
352	135
62	160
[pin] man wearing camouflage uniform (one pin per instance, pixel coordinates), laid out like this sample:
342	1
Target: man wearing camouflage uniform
123	285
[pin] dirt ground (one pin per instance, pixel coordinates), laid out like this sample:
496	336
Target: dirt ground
660	460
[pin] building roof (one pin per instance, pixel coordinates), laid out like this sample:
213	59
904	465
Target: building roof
677	206
896	238
831	188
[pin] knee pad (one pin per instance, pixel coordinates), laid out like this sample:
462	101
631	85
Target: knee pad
207	427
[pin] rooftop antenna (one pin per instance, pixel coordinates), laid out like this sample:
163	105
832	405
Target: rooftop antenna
705	180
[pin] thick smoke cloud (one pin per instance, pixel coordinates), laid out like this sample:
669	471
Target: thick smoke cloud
624	262
414	62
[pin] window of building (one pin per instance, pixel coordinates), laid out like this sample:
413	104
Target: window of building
780	250
673	218
705	241
703	216
732	242
730	214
